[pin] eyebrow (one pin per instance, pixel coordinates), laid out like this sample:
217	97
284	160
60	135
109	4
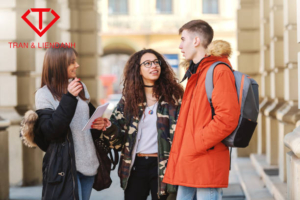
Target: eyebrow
149	60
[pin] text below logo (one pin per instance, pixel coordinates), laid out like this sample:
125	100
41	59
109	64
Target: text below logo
39	31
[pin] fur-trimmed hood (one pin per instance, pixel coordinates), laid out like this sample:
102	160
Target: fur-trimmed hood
27	128
218	48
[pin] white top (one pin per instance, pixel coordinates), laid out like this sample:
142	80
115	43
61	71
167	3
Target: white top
147	131
85	152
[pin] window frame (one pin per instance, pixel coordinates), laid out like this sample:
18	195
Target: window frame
164	12
118	13
218	12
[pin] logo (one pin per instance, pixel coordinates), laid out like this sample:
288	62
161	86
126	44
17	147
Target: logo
39	31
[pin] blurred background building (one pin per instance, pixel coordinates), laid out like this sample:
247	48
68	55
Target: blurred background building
267	44
262	33
21	68
128	26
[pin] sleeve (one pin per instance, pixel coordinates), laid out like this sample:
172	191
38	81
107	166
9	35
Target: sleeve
178	110
43	99
115	134
174	121
227	110
56	125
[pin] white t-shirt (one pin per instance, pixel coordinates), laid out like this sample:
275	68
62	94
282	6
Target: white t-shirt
147	131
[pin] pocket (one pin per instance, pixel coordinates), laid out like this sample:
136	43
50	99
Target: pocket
55	172
199	142
244	133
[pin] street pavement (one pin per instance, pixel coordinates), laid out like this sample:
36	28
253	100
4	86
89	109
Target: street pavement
233	192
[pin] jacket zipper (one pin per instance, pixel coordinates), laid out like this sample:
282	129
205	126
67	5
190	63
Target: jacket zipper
71	166
157	154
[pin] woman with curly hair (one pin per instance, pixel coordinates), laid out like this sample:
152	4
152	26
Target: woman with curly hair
143	125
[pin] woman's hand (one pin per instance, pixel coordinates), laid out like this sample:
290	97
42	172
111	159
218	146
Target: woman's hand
101	124
75	87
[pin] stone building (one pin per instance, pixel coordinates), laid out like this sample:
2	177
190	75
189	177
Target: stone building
20	74
128	26
268	49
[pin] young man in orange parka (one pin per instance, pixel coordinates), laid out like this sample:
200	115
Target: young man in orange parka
199	162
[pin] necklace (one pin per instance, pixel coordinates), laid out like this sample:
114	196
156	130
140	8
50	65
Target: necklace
148	85
151	110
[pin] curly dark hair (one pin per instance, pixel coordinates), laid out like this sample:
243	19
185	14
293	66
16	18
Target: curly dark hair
166	85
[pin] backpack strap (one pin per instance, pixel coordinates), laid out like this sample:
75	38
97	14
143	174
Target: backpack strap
209	83
209	86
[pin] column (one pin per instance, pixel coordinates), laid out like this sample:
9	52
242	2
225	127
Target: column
84	30
264	71
248	46
16	65
276	79
4	161
292	139
287	114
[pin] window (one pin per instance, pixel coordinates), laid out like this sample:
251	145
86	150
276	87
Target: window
210	6
117	7
164	6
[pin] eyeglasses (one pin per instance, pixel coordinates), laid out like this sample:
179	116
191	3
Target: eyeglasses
148	63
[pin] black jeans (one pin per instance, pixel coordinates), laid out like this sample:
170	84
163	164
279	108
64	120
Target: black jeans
143	179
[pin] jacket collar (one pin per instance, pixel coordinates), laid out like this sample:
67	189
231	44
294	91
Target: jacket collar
193	68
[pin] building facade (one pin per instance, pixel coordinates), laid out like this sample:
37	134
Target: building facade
21	68
128	26
268	49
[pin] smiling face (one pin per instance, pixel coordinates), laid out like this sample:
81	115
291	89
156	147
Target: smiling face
187	45
151	74
72	68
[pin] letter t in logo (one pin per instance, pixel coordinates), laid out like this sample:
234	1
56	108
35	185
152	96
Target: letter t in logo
40	11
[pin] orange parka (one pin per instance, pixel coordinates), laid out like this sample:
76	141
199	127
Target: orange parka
198	158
